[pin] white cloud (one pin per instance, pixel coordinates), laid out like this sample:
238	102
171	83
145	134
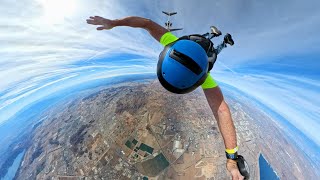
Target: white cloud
37	48
39	40
293	101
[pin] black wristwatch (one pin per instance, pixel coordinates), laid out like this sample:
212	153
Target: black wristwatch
232	156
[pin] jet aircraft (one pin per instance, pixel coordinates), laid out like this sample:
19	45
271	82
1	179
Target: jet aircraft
168	24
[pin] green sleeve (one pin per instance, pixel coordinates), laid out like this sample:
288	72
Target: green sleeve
168	38
209	83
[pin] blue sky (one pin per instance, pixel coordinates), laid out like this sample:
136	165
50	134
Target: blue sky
46	46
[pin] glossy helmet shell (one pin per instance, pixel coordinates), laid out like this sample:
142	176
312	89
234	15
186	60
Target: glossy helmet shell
182	66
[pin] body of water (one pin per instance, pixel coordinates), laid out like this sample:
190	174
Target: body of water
266	171
15	166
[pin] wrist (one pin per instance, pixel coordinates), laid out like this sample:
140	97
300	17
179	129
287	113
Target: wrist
115	22
232	153
232	156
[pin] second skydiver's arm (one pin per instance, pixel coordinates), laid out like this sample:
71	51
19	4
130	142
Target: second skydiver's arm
153	28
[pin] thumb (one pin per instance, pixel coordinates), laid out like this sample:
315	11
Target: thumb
100	28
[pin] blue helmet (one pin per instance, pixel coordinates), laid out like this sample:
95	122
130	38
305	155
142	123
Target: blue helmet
182	66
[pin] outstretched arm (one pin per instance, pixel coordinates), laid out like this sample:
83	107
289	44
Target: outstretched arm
153	28
222	114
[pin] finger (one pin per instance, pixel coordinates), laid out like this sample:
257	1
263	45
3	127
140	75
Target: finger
94	22
94	18
100	28
89	21
236	177
239	176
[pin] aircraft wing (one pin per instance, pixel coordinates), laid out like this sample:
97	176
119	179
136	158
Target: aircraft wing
173	13
177	29
169	14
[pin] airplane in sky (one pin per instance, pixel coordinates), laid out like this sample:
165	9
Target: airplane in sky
168	24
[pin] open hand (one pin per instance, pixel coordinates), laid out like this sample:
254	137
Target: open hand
233	169
97	20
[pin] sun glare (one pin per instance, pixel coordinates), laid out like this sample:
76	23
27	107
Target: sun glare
54	11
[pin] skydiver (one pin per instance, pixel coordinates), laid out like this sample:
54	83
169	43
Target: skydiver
184	65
